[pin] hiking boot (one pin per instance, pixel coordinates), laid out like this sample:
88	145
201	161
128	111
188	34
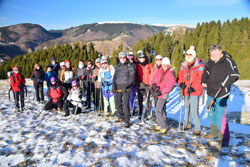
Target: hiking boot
187	127
163	131
197	133
60	109
119	120
157	128
66	115
106	114
210	136
126	125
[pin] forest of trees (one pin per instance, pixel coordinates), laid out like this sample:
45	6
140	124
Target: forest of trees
232	36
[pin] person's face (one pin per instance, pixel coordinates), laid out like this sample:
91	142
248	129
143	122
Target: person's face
164	67
89	65
141	59
104	65
53	62
67	64
216	55
53	82
16	71
37	67
80	63
158	61
74	87
98	64
123	59
49	69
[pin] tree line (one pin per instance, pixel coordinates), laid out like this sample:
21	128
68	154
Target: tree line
232	36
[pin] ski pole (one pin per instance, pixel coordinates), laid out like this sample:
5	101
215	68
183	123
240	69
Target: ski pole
75	112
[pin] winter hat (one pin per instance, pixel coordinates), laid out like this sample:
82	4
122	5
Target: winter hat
140	52
104	59
122	54
67	61
158	57
74	83
98	60
62	64
192	52
165	60
130	55
53	59
52	79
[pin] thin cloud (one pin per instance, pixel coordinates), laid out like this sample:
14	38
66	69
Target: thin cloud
3	18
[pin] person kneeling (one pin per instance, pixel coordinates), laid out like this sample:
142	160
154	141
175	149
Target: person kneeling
74	100
56	93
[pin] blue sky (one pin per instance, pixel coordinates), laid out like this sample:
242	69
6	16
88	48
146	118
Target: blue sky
61	14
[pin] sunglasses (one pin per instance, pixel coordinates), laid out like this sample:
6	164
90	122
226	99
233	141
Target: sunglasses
158	59
188	54
16	70
122	57
74	86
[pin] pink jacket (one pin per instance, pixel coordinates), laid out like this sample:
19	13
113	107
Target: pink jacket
153	71
168	82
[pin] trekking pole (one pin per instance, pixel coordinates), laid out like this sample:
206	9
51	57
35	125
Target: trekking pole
182	102
144	112
100	100
187	107
75	112
208	109
25	87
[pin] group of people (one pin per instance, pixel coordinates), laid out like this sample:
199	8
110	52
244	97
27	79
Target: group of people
113	89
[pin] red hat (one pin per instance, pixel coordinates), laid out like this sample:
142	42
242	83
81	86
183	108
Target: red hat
67	61
15	68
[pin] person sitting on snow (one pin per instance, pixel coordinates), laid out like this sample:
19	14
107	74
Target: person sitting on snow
74	100
57	94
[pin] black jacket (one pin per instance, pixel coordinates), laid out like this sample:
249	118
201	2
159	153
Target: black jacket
87	72
216	73
55	67
37	76
124	76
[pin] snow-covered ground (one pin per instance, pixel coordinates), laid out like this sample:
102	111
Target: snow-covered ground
92	140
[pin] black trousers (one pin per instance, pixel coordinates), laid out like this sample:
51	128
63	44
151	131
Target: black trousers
122	105
68	105
145	93
50	105
99	99
39	91
16	97
90	90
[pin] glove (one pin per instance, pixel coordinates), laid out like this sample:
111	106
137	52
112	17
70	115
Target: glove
90	76
21	86
95	78
191	90
182	85
156	93
82	77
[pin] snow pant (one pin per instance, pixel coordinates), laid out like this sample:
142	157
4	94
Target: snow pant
217	118
132	98
160	113
50	105
16	97
90	90
39	90
122	105
109	101
145	93
99	99
67	104
192	112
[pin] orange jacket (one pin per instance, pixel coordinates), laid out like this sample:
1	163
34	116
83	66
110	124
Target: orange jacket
143	72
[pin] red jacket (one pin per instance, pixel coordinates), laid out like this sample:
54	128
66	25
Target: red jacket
168	82
17	81
56	92
143	72
196	73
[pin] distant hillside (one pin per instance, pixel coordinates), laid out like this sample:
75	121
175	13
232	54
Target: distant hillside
106	36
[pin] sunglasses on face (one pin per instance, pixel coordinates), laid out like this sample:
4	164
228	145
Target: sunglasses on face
122	57
188	54
16	70
141	57
74	86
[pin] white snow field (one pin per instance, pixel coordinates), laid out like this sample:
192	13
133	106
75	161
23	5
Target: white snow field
92	140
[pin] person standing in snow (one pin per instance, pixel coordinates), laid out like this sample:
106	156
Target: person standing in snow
190	75
143	72
56	94
133	88
164	79
87	76
38	77
98	90
155	68
17	82
74	100
220	73
105	80
123	81
67	75
55	65
79	73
